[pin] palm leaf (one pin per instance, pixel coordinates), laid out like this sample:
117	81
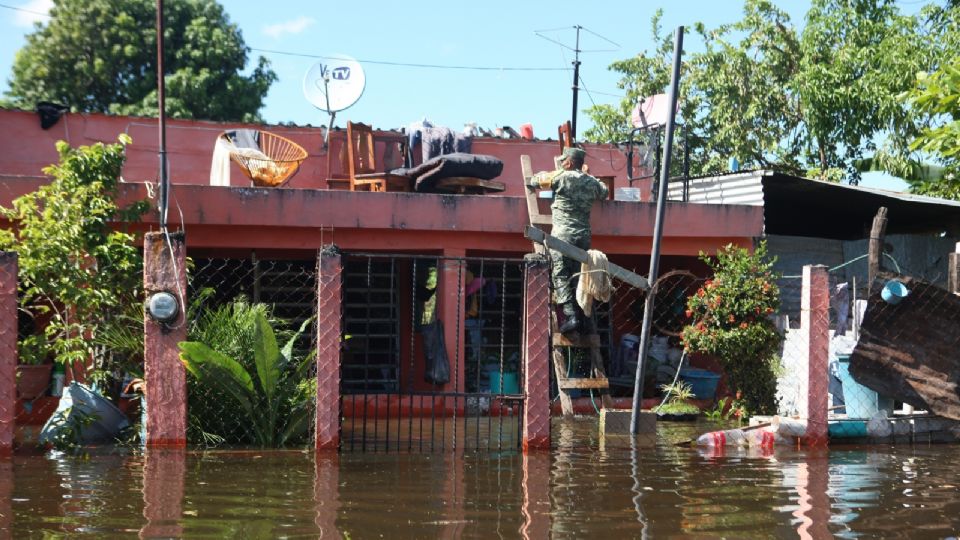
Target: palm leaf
220	371
266	357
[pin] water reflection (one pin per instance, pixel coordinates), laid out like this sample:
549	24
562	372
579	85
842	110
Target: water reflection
164	475
618	487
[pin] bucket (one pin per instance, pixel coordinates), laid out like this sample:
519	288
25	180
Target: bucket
526	131
894	291
511	384
703	382
860	401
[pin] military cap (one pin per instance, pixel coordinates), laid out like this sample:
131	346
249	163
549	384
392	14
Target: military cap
574	153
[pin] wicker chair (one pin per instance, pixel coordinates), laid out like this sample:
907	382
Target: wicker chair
273	164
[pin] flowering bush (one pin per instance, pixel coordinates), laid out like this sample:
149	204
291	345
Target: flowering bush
729	318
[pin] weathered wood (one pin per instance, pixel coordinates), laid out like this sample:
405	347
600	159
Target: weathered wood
533	211
953	273
578	254
560	372
877	232
582	383
584	341
908	351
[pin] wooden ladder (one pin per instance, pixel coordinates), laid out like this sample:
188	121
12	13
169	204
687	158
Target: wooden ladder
597	380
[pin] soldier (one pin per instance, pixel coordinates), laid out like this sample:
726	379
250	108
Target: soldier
574	193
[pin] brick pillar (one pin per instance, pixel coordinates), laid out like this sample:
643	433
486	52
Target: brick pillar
8	349
165	269
329	337
536	353
451	308
164	481
815	325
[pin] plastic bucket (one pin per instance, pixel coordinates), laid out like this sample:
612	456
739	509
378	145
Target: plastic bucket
859	401
703	382
894	291
510	382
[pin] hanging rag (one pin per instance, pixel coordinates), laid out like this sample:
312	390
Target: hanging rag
841	303
220	167
594	281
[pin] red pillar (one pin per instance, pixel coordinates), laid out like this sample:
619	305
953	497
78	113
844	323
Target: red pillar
536	353
326	494
8	349
451	276
329	336
165	269
815	324
536	496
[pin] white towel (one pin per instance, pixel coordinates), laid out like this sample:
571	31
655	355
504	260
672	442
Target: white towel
220	167
594	281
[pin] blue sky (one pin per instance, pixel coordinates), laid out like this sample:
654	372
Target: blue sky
493	34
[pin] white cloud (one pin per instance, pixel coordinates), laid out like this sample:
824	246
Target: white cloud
33	11
294	26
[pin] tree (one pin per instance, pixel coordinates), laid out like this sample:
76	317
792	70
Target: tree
939	94
100	56
75	269
816	101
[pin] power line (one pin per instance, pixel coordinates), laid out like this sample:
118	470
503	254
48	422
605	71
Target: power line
406	64
25	10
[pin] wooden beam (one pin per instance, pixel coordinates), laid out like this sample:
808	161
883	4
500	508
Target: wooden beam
877	232
536	235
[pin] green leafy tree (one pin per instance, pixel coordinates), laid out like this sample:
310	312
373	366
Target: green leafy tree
815	101
100	56
730	320
938	94
75	268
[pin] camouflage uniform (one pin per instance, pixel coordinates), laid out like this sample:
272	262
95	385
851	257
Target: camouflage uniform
574	193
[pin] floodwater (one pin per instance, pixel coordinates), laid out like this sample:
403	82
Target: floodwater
585	487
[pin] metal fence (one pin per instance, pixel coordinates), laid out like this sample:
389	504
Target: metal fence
415	374
240	405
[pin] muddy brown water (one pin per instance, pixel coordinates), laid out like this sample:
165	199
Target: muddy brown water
585	487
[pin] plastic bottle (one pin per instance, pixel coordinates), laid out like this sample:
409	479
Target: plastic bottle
730	437
59	377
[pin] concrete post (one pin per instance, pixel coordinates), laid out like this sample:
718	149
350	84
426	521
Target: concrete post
815	326
451	274
165	269
8	349
536	353
164	483
329	337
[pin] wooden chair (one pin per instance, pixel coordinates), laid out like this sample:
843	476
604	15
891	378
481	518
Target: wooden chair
362	163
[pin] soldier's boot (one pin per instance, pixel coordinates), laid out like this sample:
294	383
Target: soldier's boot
571	318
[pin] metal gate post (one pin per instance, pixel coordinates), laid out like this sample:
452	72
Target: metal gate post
329	337
536	353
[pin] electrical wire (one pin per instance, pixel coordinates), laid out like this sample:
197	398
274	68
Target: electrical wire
416	65
14	8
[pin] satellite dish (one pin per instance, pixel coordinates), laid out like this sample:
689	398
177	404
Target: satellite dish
334	84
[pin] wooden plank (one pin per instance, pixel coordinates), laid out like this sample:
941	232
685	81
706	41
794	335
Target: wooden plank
953	272
533	211
586	342
875	252
560	372
583	383
578	254
464	184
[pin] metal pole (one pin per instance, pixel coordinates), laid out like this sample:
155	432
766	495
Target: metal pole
164	180
576	87
657	230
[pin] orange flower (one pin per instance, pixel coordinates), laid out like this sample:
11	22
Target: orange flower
700	293
731	318
743	325
689	313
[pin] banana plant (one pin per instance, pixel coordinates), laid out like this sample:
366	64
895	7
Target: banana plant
266	398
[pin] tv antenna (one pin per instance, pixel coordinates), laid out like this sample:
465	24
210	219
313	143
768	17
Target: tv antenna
576	64
332	85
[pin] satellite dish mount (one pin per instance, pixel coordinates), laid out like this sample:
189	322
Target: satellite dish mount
333	85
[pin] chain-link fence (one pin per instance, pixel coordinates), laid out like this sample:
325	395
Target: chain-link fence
234	398
418	375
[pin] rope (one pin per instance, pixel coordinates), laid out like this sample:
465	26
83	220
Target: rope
896	265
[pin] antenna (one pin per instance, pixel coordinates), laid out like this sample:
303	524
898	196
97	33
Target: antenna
334	84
